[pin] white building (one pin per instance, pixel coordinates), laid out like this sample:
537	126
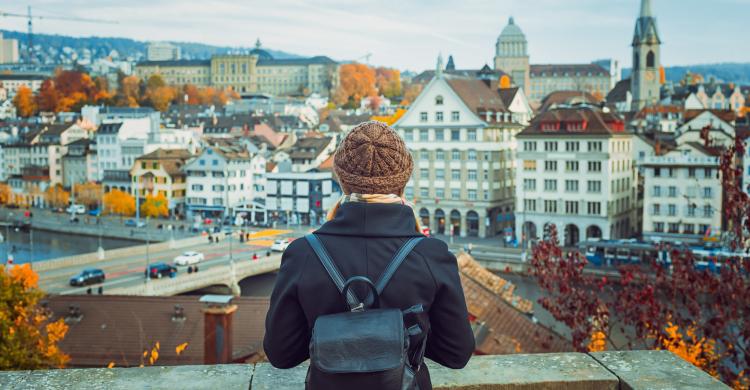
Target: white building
682	195
11	82
461	133
575	170
118	144
8	50
162	51
219	181
301	197
7	109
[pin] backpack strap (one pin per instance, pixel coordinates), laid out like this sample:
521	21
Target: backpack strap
398	258
333	271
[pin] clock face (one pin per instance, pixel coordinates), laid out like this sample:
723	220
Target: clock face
649	76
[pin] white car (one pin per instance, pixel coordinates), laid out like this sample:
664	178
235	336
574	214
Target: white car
280	245
188	258
76	209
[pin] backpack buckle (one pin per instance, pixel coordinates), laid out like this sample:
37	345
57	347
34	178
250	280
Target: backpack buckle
359	307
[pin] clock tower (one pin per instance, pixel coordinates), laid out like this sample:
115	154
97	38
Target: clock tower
644	80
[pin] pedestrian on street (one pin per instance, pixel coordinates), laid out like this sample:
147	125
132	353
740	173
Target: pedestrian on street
364	232
470	246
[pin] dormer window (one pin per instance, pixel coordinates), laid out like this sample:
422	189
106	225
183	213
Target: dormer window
439	100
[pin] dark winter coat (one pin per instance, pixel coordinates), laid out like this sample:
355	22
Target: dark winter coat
362	239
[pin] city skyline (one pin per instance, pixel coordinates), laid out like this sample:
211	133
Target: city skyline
469	35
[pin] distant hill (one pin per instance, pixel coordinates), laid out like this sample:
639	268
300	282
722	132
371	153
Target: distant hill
102	46
725	72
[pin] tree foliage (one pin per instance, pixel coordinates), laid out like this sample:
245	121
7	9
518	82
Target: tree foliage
69	90
356	81
88	194
388	82
24	102
29	339
155	206
118	202
6	194
56	196
410	93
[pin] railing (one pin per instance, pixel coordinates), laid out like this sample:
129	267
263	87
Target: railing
601	370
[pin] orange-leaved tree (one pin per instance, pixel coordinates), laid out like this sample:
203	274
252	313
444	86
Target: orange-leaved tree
118	202
155	206
24	102
389	119
29	338
88	194
388	82
5	193
56	196
410	93
356	81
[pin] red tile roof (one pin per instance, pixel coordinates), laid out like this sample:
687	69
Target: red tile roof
728	116
574	121
476	94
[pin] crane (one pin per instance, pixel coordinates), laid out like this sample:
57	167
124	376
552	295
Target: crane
29	17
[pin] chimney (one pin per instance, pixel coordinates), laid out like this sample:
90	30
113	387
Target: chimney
217	328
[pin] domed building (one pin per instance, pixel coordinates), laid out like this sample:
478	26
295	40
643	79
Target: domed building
262	54
511	55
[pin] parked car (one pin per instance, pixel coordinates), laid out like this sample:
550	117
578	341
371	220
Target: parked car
76	209
188	258
88	276
95	212
134	223
280	245
159	270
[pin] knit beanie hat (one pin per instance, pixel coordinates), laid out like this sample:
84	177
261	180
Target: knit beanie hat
373	159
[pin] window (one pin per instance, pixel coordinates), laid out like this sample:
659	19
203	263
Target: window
550	206
691	172
440	193
472	155
455	154
529	146
424	192
594	208
571	166
656	191
595	146
424	135
671	210
471	135
571	146
672	191
550	166
472	194
424	173
472	174
657	172
455	135
217	187
439	174
691	210
529	184
671	172
594	186
674	227
455	193
529	204
703	229
456	174
424	154
656	210
571	185
550	185
707	173
408	135
438	116
707	192
550	146
571	207
196	187
439	135
595	166
455	116
423	116
439	100
659	227
707	210
529	165
439	155
409	193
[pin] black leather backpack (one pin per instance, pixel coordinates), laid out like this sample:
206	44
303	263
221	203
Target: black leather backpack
365	347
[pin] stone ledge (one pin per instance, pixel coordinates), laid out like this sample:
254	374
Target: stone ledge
606	370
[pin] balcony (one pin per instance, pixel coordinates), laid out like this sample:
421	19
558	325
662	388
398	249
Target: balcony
601	370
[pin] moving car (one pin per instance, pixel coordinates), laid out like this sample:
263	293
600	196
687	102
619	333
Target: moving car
95	212
159	270
76	209
88	276
188	258
280	245
134	223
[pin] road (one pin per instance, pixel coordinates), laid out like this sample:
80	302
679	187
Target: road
129	270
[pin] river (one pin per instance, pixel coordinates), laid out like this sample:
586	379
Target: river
50	245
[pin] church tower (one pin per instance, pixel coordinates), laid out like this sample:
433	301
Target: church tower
511	55
644	81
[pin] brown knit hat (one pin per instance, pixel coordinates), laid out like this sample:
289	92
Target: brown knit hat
373	159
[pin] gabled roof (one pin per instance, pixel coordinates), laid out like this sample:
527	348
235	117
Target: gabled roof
584	120
507	95
728	116
485	72
119	328
309	148
476	94
171	160
620	92
109	128
557	98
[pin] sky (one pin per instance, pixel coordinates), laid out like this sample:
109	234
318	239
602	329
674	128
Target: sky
409	34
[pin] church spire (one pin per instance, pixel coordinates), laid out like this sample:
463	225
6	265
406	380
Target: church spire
439	67
646	9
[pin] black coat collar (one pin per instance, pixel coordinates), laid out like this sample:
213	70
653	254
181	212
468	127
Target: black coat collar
372	220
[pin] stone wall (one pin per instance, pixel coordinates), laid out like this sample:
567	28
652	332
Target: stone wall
565	371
